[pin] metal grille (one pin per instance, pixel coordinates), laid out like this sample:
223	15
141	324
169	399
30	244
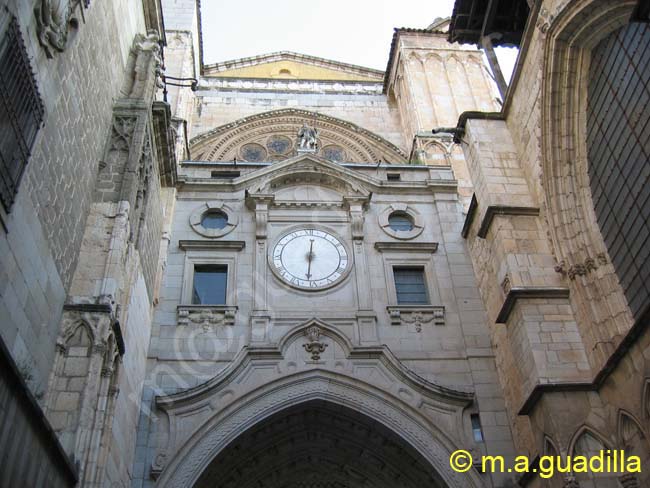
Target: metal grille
21	111
618	138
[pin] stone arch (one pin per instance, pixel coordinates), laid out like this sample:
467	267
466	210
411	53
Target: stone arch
199	423
633	440
550	447
645	401
588	442
318	444
358	144
549	460
79	334
573	228
217	434
586	432
83	386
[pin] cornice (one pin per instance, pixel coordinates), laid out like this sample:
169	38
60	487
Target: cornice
212	69
494	210
471	213
518	293
222	85
205	245
390	246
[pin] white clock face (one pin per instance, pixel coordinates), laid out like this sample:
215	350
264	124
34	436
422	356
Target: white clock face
310	259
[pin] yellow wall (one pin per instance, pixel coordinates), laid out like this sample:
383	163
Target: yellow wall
297	71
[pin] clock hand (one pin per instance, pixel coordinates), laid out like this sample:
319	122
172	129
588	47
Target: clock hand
309	257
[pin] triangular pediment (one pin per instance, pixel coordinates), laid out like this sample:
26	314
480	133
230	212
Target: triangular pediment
307	169
292	66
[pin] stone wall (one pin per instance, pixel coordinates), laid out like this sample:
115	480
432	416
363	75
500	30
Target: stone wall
39	250
571	361
372	112
187	350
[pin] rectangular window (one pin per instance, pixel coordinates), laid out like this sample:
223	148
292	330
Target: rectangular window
393	176
21	112
210	283
410	286
476	428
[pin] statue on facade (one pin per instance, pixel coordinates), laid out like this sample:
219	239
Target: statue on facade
307	138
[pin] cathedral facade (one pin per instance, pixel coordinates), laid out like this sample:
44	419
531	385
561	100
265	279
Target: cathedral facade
285	271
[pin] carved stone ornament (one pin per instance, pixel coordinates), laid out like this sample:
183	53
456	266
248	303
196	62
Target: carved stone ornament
581	269
206	316
544	20
418	315
307	138
506	284
144	67
314	347
338	136
158	464
54	18
203	421
570	482
629	480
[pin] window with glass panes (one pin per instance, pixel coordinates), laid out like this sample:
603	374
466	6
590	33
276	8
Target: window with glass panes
410	286
210	283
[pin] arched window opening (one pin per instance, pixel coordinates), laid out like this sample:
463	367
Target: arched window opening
618	141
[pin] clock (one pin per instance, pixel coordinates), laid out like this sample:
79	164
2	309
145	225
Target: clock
310	259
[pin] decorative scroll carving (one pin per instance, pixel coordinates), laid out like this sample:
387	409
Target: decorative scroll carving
418	315
314	347
206	316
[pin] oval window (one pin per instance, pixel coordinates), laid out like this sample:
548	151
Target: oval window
215	219
400	221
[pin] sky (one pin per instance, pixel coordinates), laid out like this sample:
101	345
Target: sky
352	31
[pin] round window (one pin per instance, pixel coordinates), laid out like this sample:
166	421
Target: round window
400	221
215	219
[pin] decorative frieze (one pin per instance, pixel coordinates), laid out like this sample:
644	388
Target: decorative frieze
417	315
207	316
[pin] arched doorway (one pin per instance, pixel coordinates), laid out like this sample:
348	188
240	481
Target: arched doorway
275	419
318	444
